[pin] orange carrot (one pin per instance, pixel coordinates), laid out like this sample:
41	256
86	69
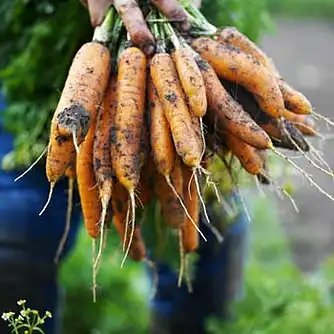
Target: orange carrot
191	80
88	191
101	154
120	199
129	122
171	205
225	111
232	64
83	91
190	237
166	81
129	118
247	155
294	100
161	138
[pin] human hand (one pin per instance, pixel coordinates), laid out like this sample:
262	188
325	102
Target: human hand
134	20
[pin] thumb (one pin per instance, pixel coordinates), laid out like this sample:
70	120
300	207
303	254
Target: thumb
97	10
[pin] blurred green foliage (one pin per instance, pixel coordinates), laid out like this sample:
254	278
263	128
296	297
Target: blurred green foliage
122	293
38	42
303	8
279	298
253	18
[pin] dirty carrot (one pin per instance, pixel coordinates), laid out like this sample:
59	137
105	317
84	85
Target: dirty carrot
191	80
166	81
88	190
129	121
229	113
232	64
190	236
83	91
247	155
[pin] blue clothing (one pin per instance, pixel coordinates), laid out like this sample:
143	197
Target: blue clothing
28	243
217	282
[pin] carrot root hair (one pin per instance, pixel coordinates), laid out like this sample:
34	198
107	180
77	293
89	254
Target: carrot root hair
93	270
182	259
132	204
52	185
170	184
31	166
68	220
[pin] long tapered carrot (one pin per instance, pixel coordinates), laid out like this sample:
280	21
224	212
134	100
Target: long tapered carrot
131	82
120	200
232	64
191	80
101	153
229	113
166	81
190	236
129	121
83	91
88	190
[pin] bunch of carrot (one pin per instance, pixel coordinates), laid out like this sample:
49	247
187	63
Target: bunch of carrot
131	128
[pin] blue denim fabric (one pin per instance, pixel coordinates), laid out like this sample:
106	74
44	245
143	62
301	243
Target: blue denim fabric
217	282
28	243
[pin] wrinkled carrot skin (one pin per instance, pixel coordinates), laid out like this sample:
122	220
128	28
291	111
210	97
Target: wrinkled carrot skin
230	63
161	137
88	191
222	108
247	155
129	120
134	21
83	91
172	210
101	153
294	100
119	202
173	11
191	80
190	237
166	81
